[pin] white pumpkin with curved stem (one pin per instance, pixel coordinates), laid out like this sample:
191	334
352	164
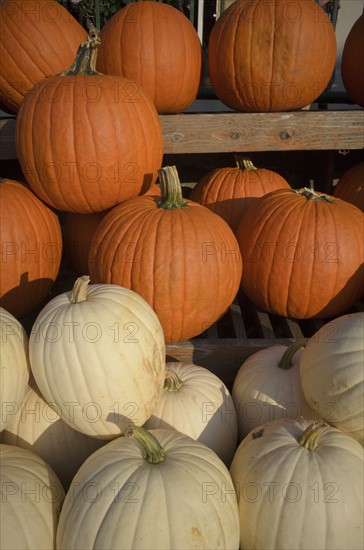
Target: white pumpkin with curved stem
31	501
155	490
299	487
332	373
197	403
14	365
267	387
39	428
98	354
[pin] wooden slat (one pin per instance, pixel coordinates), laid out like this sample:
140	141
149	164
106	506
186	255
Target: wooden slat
236	132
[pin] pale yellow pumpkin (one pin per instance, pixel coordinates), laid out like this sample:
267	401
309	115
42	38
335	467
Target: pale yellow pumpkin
155	490
39	428
14	365
299	487
332	373
98	354
268	387
31	501
197	403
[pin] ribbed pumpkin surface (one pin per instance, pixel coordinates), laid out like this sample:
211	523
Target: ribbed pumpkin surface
350	186
230	191
271	56
352	62
185	262
31	244
303	257
38	38
157	46
86	143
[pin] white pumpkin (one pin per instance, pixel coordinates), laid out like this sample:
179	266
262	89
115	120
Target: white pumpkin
299	487
39	428
14	365
156	490
98	354
332	373
268	387
197	403
31	501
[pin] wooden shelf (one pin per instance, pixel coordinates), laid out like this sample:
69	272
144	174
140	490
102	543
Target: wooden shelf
244	132
235	132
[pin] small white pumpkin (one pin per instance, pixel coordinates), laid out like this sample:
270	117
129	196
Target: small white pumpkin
268	387
299	487
332	373
14	365
39	428
155	490
98	354
31	501
197	403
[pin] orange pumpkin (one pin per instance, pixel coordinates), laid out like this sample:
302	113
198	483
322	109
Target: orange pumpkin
87	141
352	62
38	38
230	191
271	56
31	246
303	254
182	258
350	186
157	46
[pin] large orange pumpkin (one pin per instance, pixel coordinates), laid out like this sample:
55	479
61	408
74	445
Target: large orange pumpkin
352	62
38	38
350	186
87	141
271	56
182	258
303	253
230	191
31	249
157	46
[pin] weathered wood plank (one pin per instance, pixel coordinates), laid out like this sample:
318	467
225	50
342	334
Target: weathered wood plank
241	132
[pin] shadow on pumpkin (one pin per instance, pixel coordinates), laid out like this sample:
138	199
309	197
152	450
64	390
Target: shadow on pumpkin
27	298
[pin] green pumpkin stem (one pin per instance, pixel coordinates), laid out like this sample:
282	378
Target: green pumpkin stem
285	362
153	451
85	62
172	382
310	194
244	163
310	435
79	291
171	190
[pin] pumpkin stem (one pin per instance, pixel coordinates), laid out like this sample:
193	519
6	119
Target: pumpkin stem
310	194
153	452
309	437
85	62
172	382
285	362
244	163
79	291
171	190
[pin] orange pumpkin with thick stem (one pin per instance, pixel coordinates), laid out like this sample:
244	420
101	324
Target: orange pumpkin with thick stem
271	56
182	258
87	141
38	38
31	245
303	254
350	186
157	46
230	191
352	62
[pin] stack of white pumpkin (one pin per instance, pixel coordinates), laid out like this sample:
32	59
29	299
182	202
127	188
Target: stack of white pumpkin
95	370
111	447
